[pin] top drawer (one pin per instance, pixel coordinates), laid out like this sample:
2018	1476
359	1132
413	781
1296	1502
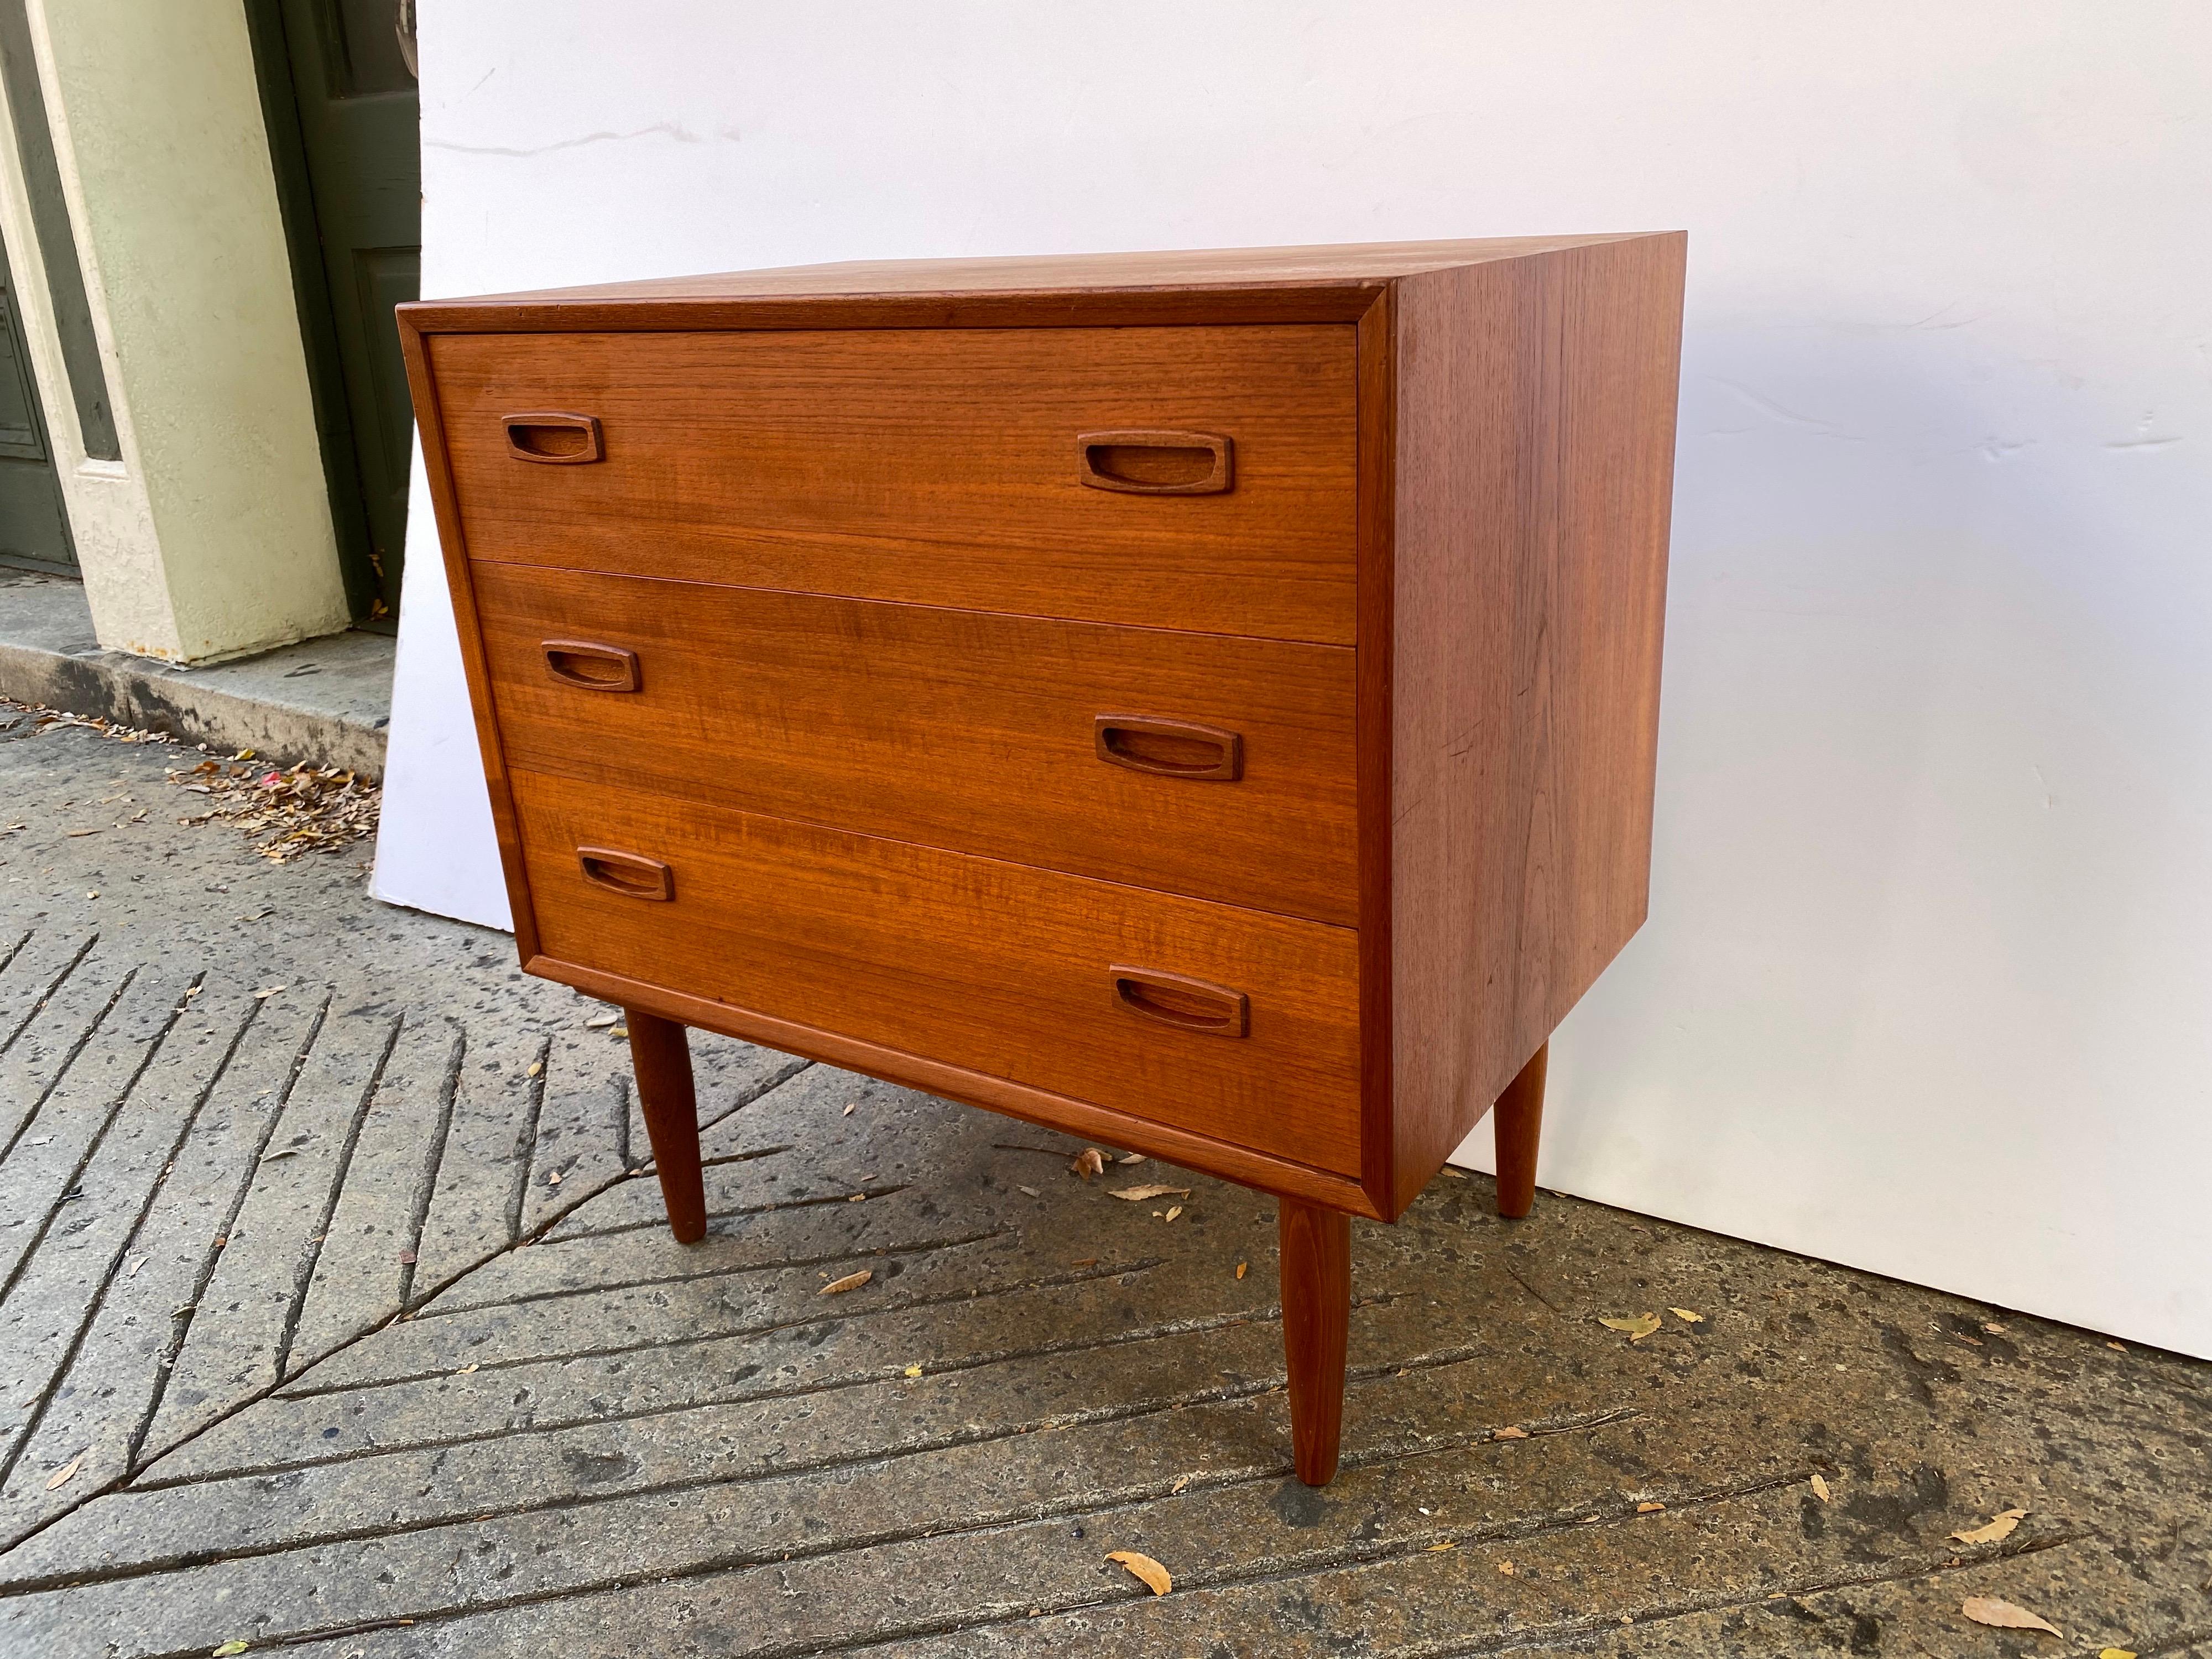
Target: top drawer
942	467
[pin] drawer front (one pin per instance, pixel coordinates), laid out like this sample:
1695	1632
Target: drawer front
1224	770
1109	994
930	466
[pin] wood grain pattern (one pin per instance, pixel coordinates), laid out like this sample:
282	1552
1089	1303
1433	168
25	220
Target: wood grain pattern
930	467
1517	1123
1107	1124
429	420
661	1056
1321	283
972	731
1534	461
1316	1246
992	967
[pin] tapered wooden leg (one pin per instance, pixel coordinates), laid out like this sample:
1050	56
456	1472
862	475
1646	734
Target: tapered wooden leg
1516	1120
1316	1251
661	1057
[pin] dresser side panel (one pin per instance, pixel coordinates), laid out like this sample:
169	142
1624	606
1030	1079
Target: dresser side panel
430	423
1534	466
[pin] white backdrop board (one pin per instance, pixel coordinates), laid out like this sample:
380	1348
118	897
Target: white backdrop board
1927	986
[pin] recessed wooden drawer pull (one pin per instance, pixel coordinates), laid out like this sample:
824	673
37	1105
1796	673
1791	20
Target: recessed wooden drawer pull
627	873
1147	463
1177	1000
555	438
1170	749
591	667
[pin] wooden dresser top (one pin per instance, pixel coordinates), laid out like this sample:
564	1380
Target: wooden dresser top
1326	282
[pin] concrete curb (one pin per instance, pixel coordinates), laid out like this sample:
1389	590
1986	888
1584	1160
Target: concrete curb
325	701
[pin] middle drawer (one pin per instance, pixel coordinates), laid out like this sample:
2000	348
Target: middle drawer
1203	764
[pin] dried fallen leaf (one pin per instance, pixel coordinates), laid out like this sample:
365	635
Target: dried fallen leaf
2000	1528
849	1282
1155	1576
282	1151
2116	1347
1508	1434
1130	1157
1088	1162
61	1475
1240	1268
1086	1262
847	1112
1649	1509
914	1370
1181	1480
600	1021
1686	1317
1637	1328
263	994
1507	1568
1137	1195
136	1262
1032	1191
230	1648
1820	1489
1988	1610
2116	1653
1174	1210
552	1177
1446	1545
534	1068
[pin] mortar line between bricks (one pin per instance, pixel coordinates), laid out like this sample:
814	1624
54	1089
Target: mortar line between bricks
1143	1264
304	1274
69	1060
205	1275
15	950
736	1214
92	1147
510	1433
526	1140
1332	1559
38	1002
921	1248
433	1161
568	1503
107	1277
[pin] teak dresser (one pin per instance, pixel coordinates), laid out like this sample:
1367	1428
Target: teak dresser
1205	702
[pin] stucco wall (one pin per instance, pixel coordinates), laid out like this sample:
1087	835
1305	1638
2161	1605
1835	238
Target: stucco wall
159	130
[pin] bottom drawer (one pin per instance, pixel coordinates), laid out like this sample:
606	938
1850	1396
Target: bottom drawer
1059	982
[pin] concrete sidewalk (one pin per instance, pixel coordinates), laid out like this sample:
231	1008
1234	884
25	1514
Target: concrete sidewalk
335	1312
325	701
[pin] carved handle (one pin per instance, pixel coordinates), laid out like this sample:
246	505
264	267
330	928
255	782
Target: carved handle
1170	749
1177	1000
592	667
627	873
1151	463
555	438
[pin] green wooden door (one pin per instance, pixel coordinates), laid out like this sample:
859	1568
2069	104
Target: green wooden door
34	524
354	105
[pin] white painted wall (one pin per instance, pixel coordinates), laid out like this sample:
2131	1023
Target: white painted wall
1927	984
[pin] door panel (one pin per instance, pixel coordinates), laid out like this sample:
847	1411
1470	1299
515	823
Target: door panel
34	524
358	122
